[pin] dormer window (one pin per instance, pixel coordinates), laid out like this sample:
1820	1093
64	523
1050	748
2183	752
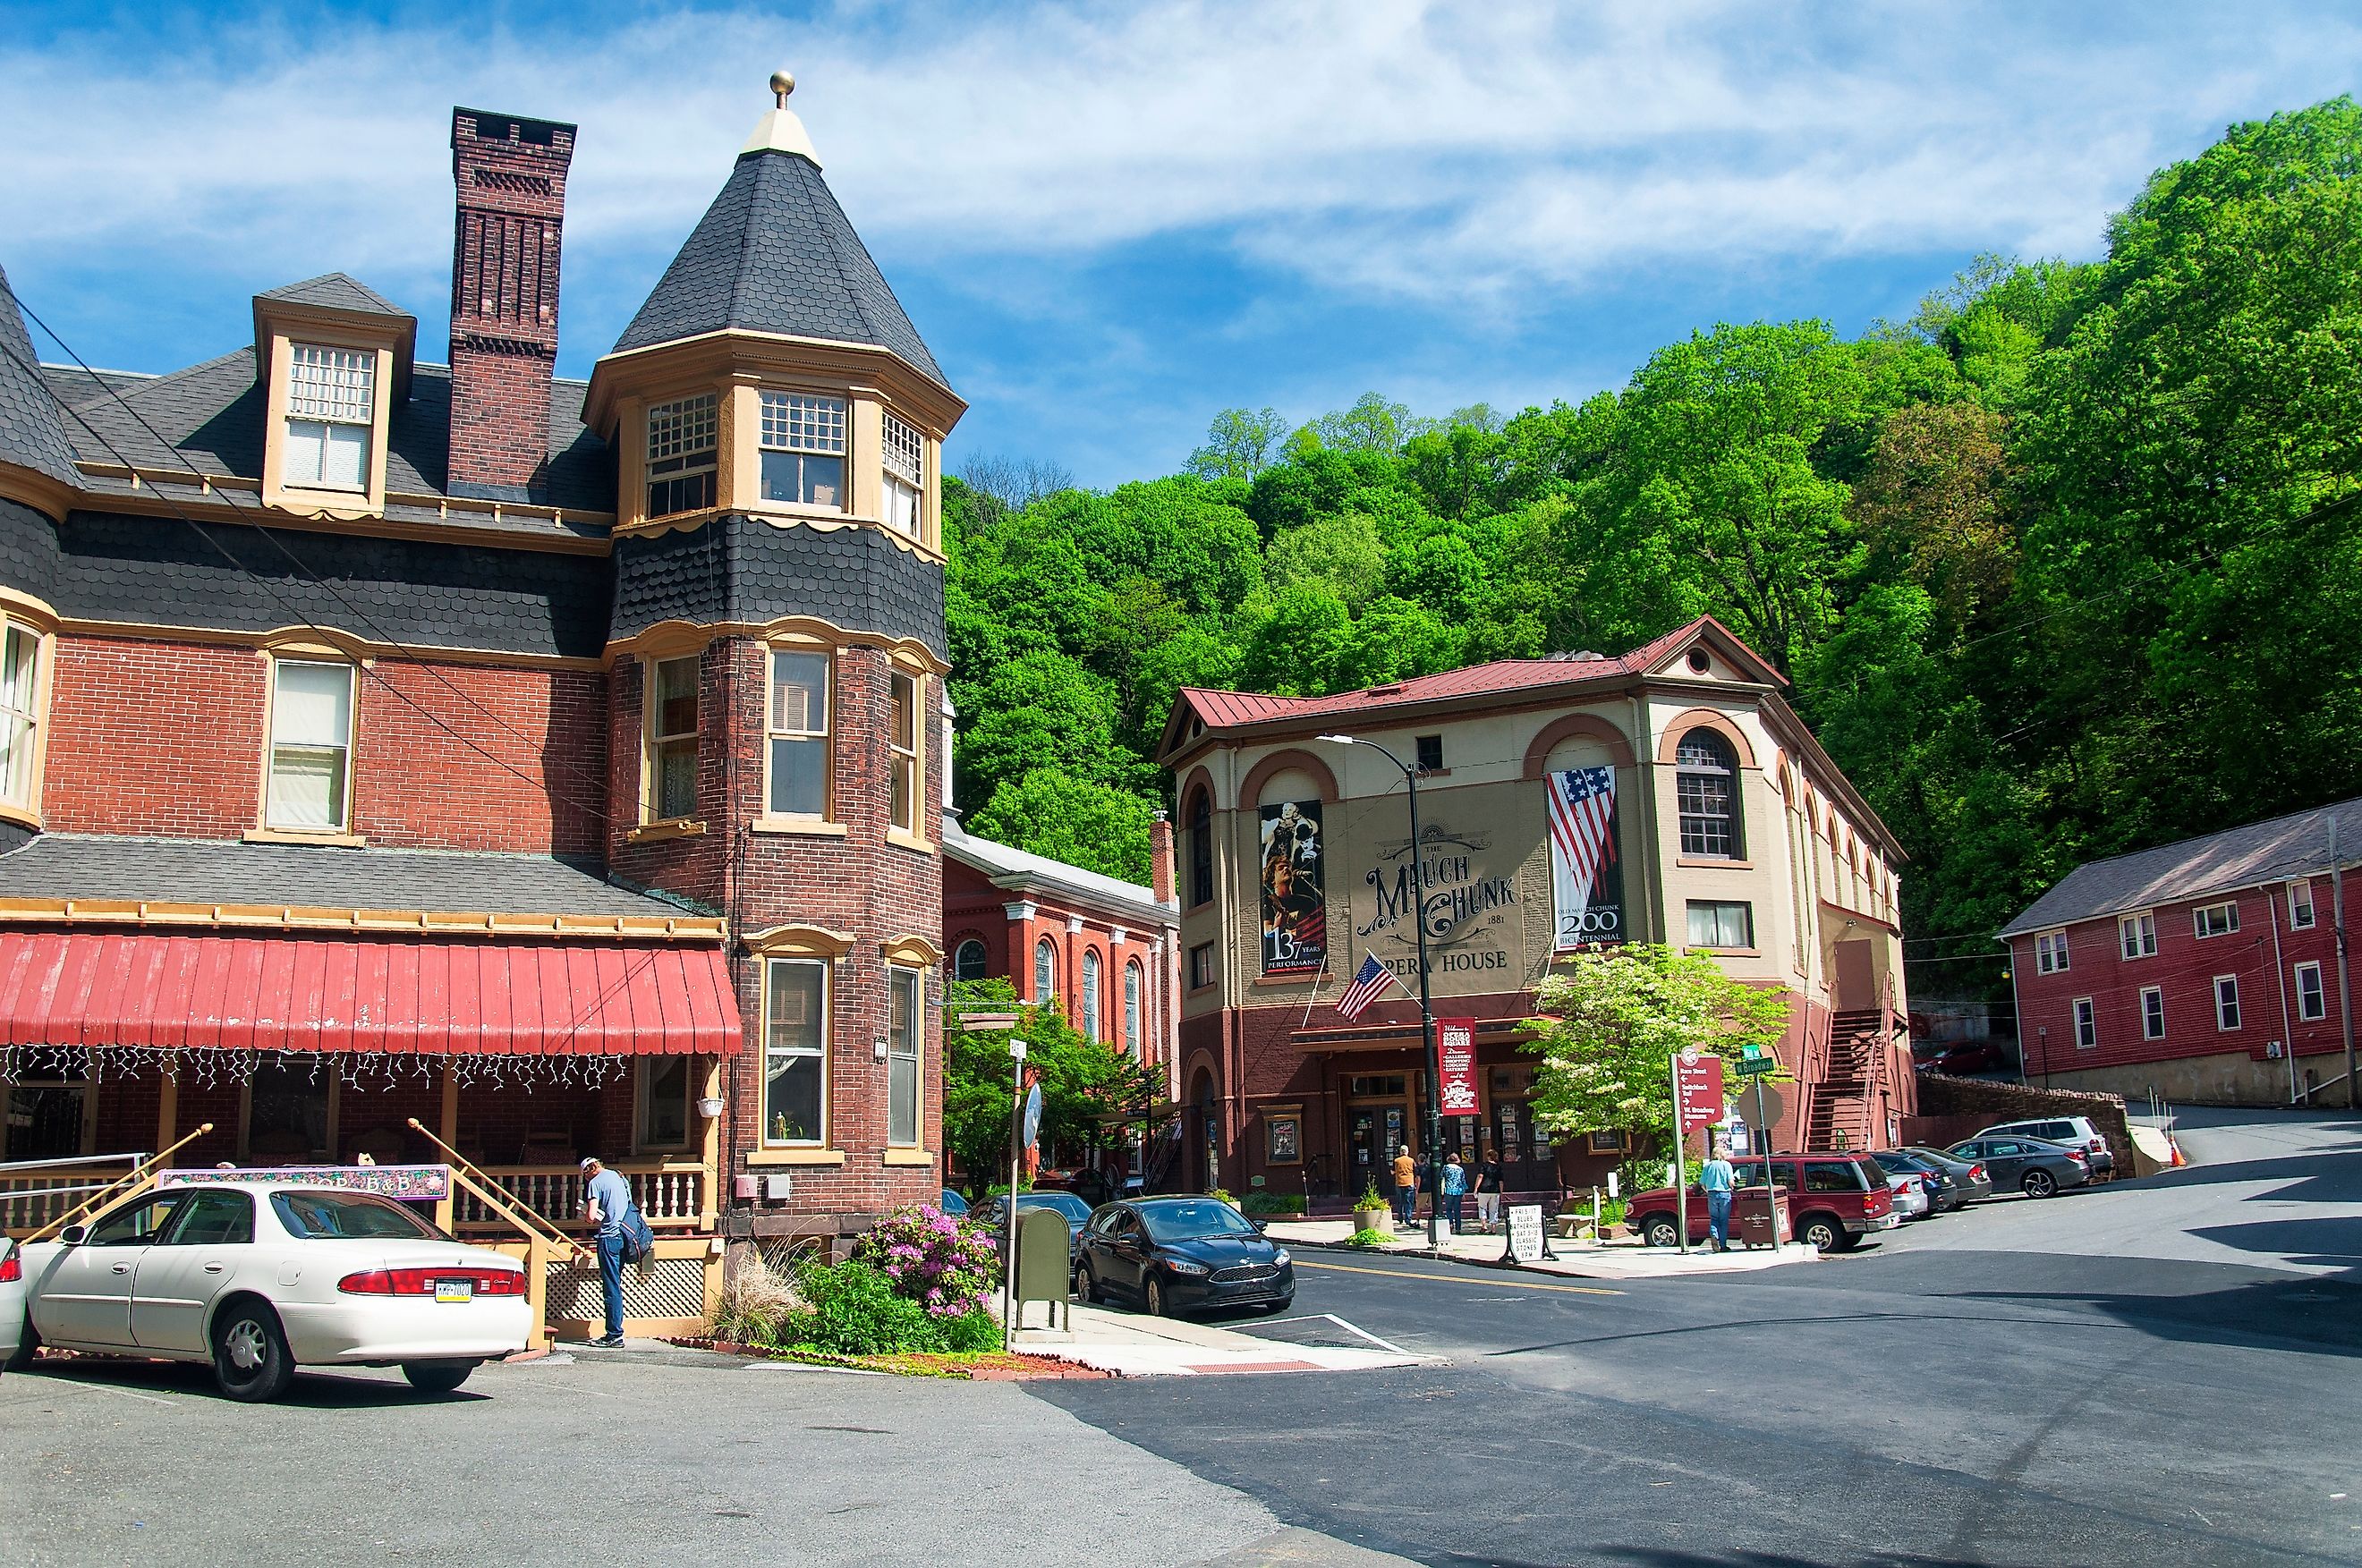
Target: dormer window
331	406
906	471
803	449
682	437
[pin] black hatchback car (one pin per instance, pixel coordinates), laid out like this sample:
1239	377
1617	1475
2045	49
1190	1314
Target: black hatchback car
1178	1254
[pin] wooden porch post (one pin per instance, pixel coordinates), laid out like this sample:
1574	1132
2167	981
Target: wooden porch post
710	1150
448	1131
168	1109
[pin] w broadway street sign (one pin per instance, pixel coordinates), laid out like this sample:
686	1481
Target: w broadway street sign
1697	1090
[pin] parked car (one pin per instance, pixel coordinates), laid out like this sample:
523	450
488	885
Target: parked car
952	1202
1943	1193
2035	1168
1962	1057
14	1350
1834	1199
260	1277
1173	1254
1910	1194
994	1214
2075	1131
1969	1177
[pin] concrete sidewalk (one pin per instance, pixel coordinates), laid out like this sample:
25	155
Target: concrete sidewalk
1579	1259
1135	1346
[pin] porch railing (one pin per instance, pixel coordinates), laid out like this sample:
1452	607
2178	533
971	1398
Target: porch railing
671	1194
31	1199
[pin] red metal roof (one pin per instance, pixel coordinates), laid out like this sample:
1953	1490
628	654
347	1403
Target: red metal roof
200	991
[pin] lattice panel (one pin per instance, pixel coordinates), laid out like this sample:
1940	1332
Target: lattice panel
669	1288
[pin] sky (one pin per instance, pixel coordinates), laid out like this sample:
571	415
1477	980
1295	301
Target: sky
1110	222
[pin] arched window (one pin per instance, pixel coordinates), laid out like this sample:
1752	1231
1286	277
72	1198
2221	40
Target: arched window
1045	971
968	961
1131	1040
1200	823
1706	782
1091	992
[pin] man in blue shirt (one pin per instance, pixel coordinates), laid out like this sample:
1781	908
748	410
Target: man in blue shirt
1715	1178
606	1198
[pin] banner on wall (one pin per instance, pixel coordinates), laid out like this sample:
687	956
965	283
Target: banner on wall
1455	1043
1586	878
1294	901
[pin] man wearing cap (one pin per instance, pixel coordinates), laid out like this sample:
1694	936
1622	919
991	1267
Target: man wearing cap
606	1198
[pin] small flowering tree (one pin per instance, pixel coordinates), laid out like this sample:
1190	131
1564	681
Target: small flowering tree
945	1264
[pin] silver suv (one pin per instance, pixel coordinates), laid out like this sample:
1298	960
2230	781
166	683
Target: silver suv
2075	1131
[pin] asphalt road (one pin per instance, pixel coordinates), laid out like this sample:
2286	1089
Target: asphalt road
2084	1381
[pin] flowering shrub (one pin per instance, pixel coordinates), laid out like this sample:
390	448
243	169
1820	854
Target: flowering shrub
945	1264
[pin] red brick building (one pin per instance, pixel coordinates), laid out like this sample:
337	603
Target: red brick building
2203	971
554	762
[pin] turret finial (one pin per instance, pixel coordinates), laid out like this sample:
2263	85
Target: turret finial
782	83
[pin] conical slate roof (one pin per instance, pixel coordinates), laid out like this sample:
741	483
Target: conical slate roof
776	254
32	433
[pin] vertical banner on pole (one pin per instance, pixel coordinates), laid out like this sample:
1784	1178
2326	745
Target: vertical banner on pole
1455	1040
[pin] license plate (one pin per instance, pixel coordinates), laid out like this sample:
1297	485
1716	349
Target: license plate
455	1290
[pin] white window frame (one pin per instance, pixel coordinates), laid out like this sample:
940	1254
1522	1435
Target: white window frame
20	713
329	389
903	460
2319	1008
1045	969
771	968
983	958
775	734
2230	910
2136	935
2050	952
659	738
1134	985
1094	977
801	425
342	798
2226	1003
684	442
2087	1024
644	1099
2152	999
906	765
2301	910
905	1042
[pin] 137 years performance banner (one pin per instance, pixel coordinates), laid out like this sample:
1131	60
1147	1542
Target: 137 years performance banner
1295	907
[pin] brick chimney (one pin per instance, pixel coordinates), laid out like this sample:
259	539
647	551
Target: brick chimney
1160	857
511	177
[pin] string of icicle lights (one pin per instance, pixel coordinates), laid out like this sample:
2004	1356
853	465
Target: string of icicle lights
207	1067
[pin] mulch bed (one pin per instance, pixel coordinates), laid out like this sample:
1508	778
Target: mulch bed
984	1366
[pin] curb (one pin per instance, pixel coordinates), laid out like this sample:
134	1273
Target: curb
1504	1265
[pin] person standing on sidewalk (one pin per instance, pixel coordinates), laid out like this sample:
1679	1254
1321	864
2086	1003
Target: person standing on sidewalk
1406	1187
1715	1178
1450	1186
1488	1188
606	1201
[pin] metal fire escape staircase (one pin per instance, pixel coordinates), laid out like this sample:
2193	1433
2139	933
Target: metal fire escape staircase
1856	1067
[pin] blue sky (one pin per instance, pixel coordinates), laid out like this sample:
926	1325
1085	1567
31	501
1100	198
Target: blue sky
1110	222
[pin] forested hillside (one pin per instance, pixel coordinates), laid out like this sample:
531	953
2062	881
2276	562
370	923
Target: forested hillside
2065	564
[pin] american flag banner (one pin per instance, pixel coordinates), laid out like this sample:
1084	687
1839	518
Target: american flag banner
1586	880
1370	982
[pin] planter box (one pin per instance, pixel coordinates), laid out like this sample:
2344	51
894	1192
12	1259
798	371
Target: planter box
1372	1219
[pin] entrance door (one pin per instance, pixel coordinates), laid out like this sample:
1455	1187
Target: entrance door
1378	1122
1855	980
1529	1158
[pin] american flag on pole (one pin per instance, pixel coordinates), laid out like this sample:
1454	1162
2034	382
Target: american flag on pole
1370	982
1582	837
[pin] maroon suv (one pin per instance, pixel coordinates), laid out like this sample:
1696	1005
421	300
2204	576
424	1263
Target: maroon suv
1835	1200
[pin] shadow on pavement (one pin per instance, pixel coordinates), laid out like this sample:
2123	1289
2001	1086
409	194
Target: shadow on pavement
310	1390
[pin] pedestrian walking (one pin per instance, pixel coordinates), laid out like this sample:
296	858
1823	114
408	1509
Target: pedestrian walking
607	1203
1715	1178
1452	1185
1488	1189
1406	1188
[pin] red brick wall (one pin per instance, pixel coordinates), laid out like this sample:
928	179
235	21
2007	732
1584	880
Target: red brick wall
504	286
154	737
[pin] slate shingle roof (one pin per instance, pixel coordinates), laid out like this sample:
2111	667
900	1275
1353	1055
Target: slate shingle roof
2253	855
336	290
775	253
32	430
190	870
746	569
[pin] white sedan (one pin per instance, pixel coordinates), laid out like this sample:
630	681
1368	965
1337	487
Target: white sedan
260	1277
13	1353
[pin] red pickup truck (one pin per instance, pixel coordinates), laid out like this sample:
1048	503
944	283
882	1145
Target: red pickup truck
1836	1199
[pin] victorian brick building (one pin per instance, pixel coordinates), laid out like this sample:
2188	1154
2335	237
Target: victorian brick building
557	763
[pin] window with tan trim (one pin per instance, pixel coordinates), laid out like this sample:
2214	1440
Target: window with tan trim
684	437
903	1080
798	729
311	748
909	775
906	477
671	712
331	404
803	449
795	1051
20	718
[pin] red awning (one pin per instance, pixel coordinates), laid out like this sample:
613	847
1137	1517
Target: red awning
208	991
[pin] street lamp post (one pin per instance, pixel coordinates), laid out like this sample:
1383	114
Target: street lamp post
1428	1048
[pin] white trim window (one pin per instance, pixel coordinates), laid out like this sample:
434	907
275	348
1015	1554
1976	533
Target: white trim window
2226	1002
2152	1013
969	961
2215	919
1131	1040
2299	897
672	738
2138	935
661	1123
803	449
798	732
311	748
20	717
684	437
1045	971
795	1051
903	1082
902	734
905	477
2086	1024
331	411
2050	952
1091	974
2311	1001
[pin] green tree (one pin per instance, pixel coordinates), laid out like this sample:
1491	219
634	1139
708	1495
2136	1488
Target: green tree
1342	553
1083	1083
1046	811
1240	445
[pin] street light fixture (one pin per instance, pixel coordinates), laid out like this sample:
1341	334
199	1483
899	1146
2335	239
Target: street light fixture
1432	1066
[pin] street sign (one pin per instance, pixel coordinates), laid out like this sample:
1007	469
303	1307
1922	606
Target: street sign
1697	1090
1526	1233
1455	1041
1749	1066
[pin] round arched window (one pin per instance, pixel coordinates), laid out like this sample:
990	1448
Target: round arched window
1705	774
1045	969
968	961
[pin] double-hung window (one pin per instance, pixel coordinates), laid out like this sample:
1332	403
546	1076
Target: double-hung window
1705	785
2311	1002
311	747
2226	1001
803	449
795	1043
331	404
906	477
2300	894
799	734
2152	1013
20	666
903	1079
2087	1024
903	735
683	437
2050	952
672	739
2138	933
2216	919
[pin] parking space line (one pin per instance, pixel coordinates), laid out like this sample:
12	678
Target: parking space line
55	1381
1455	1280
1348	1328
